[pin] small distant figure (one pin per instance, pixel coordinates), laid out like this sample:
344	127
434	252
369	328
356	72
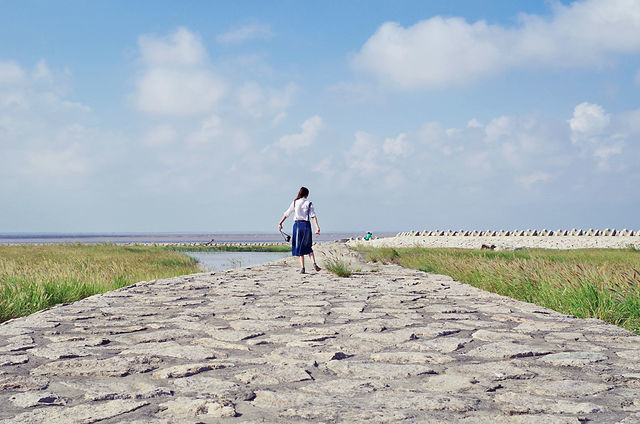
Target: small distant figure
301	241
368	236
488	247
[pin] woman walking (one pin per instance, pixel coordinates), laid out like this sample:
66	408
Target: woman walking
301	241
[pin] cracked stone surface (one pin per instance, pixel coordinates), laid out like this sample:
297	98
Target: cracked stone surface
266	344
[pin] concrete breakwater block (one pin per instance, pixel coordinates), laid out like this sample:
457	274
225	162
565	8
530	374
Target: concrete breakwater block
591	232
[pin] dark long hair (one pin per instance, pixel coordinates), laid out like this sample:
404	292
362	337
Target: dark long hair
304	192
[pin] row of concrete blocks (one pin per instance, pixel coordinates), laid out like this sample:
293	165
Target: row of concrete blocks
544	233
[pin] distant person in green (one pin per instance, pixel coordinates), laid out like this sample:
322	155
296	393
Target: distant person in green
301	239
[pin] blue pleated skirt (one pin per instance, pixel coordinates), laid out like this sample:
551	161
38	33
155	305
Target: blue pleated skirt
301	238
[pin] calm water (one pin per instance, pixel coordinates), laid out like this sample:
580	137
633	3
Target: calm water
217	261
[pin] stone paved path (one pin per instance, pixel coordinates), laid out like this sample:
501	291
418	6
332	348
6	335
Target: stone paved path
266	344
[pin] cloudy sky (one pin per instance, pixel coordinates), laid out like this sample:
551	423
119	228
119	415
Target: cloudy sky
154	116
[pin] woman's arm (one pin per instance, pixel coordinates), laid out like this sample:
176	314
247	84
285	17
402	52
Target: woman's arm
315	221
286	214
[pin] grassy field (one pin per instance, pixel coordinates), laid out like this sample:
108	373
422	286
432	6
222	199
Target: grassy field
590	283
37	277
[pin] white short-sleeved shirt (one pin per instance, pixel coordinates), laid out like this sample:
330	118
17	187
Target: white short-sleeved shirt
300	207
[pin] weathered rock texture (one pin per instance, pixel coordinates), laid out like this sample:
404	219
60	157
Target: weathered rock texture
266	344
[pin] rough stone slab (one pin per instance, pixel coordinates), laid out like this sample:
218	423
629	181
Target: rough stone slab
569	388
506	350
159	336
632	355
377	370
210	385
518	403
418	401
187	370
117	388
81	414
343	386
441	344
574	359
269	345
411	357
499	370
218	344
110	367
234	335
17	344
60	350
185	408
492	336
273	375
22	383
113	330
173	349
31	399
6	360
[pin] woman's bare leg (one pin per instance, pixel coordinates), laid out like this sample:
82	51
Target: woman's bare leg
302	261
313	258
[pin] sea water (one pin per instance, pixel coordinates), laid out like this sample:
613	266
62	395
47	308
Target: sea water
218	261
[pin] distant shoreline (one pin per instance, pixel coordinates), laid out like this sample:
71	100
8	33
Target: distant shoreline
163	238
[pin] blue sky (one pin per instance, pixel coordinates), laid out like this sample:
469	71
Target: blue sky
208	116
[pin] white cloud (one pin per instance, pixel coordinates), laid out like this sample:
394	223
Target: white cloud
605	151
281	116
396	147
178	92
11	74
180	48
431	133
498	128
278	100
209	130
257	101
474	123
41	72
57	163
176	79
362	157
246	32
430	53
443	51
43	134
310	129
537	177
325	167
160	136
588	121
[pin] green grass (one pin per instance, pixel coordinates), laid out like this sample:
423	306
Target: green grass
230	248
339	267
37	277
587	283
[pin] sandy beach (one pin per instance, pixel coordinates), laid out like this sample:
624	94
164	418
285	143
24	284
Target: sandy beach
266	344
